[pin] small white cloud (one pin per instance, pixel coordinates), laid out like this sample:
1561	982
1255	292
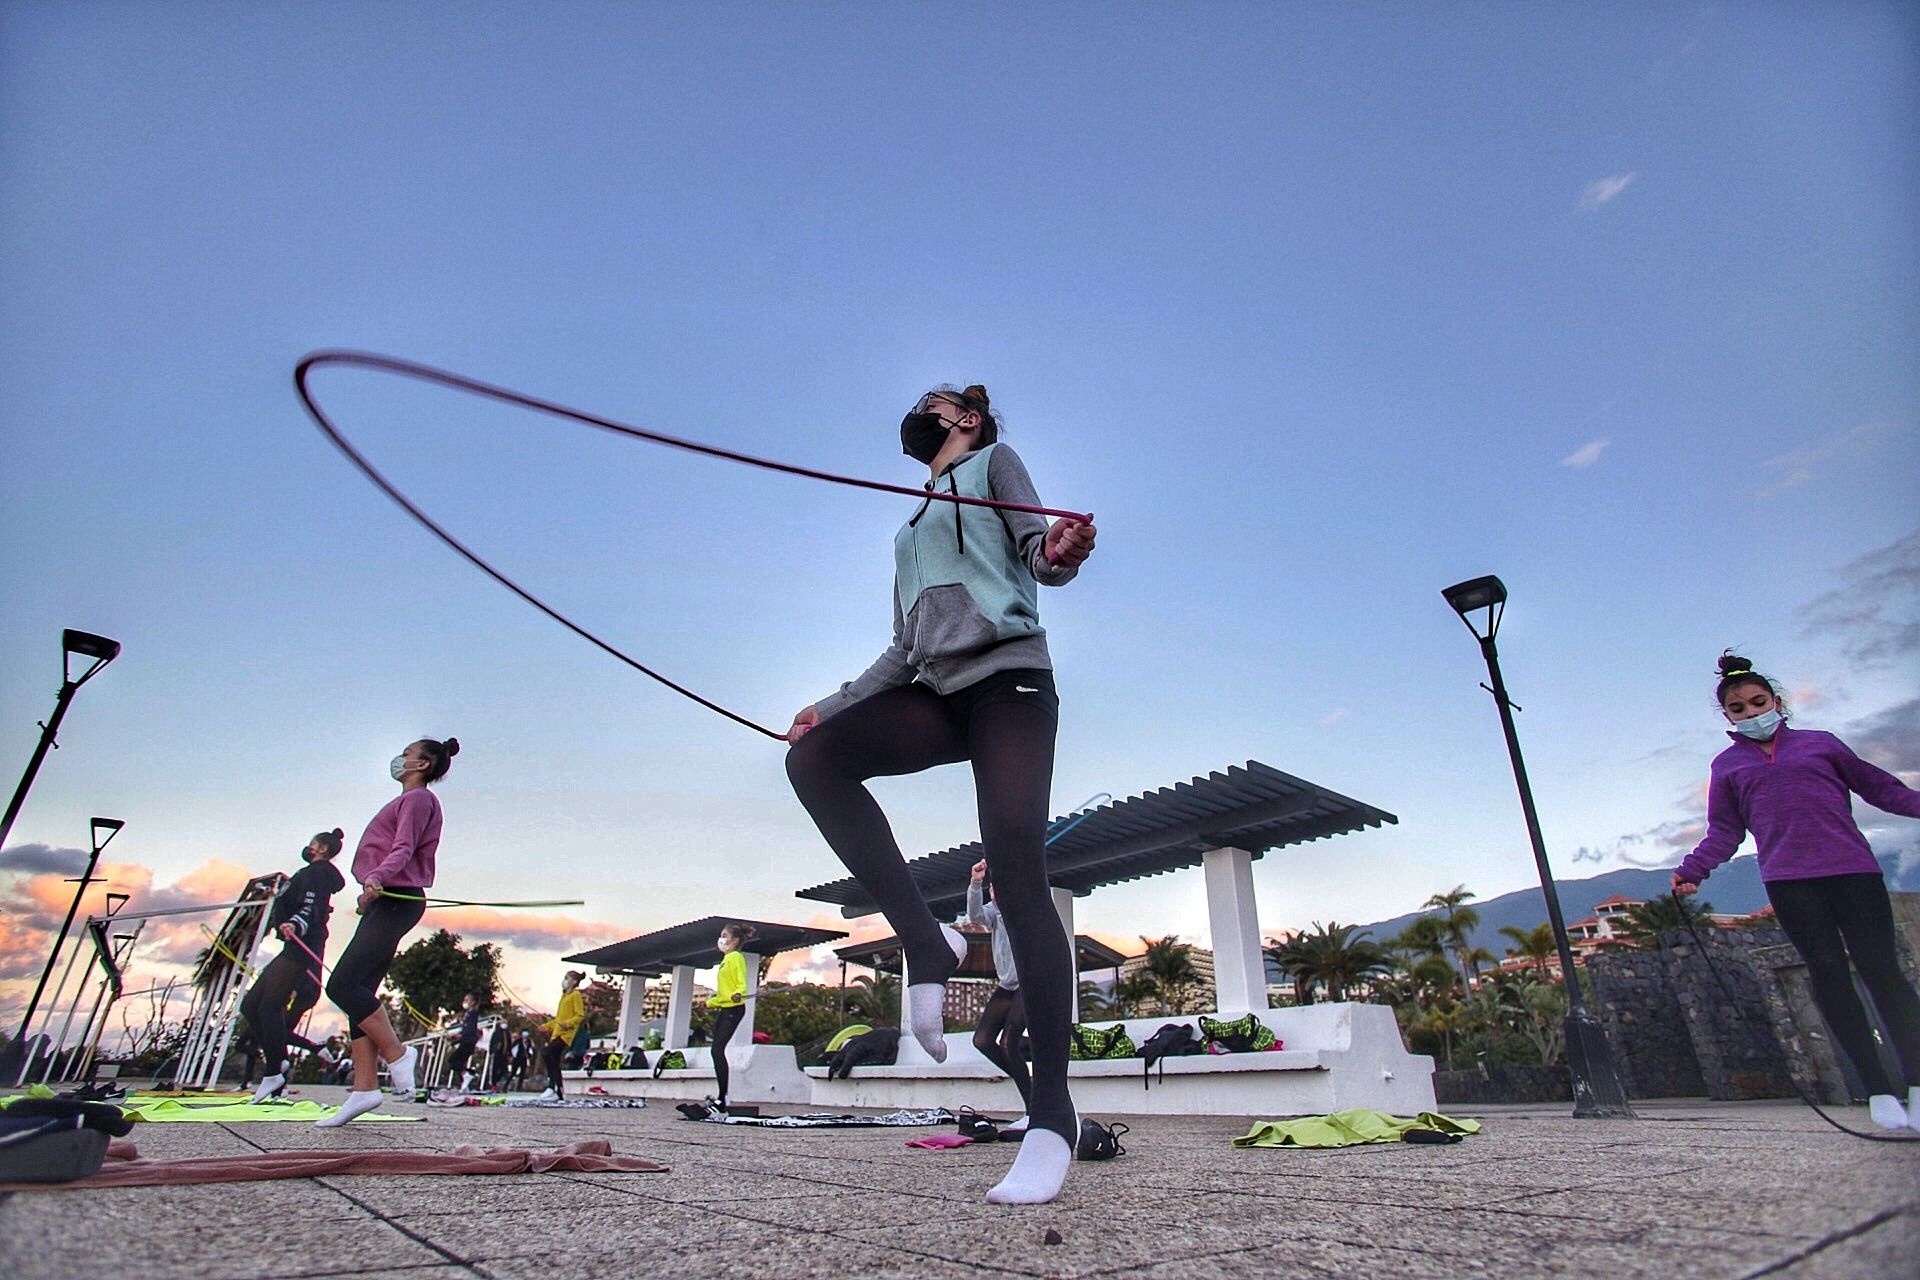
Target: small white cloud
1598	193
1586	455
1802	465
1334	717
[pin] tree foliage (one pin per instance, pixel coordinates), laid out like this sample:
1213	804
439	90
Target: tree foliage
436	972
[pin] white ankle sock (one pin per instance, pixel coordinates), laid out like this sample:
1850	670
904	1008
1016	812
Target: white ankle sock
357	1103
1887	1111
926	1003
267	1086
400	1071
1038	1171
1018	1126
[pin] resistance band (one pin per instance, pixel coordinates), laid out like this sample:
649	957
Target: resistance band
472	386
432	901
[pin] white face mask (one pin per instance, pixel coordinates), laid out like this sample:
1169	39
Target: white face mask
1760	728
398	767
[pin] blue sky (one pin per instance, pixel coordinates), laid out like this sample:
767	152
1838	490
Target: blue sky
1318	308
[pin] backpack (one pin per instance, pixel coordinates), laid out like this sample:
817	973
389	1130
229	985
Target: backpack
1175	1040
671	1060
877	1048
1245	1034
1085	1042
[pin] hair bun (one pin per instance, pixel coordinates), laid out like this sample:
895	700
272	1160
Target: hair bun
1731	662
453	747
976	392
338	834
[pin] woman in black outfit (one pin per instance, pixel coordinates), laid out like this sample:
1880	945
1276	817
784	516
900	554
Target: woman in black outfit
290	985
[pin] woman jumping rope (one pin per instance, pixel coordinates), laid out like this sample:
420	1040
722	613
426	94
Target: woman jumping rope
560	1029
394	864
1793	789
967	677
290	984
728	1003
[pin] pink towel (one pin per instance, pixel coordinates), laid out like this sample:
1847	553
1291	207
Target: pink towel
126	1168
940	1142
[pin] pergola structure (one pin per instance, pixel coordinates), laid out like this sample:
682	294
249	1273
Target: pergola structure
1221	822
682	949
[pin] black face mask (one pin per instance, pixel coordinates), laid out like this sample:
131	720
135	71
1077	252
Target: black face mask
922	435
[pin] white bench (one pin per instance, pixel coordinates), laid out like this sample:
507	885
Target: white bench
1336	1056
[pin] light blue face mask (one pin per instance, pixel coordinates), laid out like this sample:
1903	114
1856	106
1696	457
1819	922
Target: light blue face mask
1761	727
397	767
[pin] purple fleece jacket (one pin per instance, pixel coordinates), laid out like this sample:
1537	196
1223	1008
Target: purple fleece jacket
1797	804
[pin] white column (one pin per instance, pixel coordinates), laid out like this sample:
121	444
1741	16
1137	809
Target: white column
679	1008
1239	972
744	1036
1063	905
631	999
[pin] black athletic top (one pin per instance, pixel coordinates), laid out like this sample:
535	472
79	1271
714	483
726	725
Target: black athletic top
306	903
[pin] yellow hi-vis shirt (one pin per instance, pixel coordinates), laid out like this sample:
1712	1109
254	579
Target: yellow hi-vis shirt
730	988
573	1012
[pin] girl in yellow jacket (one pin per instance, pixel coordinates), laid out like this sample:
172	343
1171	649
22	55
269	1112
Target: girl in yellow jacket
729	1000
560	1029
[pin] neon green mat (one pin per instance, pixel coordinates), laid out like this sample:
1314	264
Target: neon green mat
1354	1128
179	1110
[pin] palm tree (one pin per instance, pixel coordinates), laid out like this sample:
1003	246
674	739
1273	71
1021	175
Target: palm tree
1095	1004
875	998
1134	994
1170	962
1536	944
1458	922
1423	938
1647	921
1330	954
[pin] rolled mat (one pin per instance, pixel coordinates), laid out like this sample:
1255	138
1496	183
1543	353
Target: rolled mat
125	1167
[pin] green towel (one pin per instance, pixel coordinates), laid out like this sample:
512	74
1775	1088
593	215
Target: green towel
1348	1129
177	1110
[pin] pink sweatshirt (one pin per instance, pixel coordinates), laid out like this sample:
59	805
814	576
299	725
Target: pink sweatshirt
399	844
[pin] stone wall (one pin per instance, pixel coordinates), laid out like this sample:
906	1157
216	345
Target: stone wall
1633	996
1502	1084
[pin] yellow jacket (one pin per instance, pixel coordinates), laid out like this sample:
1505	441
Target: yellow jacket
573	1012
730	988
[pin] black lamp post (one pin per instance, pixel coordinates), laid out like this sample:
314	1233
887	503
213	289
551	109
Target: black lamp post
112	828
1596	1085
73	644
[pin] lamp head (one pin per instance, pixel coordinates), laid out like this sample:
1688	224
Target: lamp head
115	901
1468	598
109	825
85	644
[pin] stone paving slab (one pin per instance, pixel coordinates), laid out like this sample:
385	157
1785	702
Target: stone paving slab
1694	1189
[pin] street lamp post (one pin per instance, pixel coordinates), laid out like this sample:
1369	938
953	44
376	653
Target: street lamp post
72	644
112	828
1597	1092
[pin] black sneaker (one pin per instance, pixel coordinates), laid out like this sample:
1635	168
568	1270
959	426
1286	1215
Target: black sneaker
976	1126
1099	1141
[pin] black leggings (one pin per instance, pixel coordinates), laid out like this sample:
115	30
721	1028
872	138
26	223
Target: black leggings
726	1021
362	967
997	1037
1818	916
1008	735
462	1053
276	1001
555	1056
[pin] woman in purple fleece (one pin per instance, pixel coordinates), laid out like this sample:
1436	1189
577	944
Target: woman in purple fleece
1793	789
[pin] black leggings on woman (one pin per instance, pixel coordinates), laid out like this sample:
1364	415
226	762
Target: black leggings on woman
555	1057
726	1021
276	1001
997	1037
362	967
1832	918
1005	725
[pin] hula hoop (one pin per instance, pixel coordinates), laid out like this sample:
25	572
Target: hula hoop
473	386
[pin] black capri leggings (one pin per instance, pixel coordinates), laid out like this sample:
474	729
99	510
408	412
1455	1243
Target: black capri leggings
355	985
1831	919
997	1037
726	1021
276	1001
555	1057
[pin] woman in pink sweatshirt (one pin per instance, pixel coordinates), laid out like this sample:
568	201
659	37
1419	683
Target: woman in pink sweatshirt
1793	790
394	865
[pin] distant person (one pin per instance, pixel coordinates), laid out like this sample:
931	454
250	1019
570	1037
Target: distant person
336	1064
728	1003
520	1061
290	984
458	1077
560	1029
967	676
497	1046
394	865
1004	1020
1793	790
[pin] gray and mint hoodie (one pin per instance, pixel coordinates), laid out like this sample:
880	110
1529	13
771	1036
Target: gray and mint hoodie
965	585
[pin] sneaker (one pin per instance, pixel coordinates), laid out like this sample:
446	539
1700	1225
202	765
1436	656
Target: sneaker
549	1096
1099	1141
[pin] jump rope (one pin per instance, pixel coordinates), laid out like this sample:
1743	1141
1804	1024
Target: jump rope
475	387
1746	1016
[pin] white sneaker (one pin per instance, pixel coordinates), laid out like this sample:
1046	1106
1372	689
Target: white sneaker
548	1096
1887	1111
400	1072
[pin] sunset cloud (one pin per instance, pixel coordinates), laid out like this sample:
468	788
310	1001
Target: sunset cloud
1875	612
534	930
1586	455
